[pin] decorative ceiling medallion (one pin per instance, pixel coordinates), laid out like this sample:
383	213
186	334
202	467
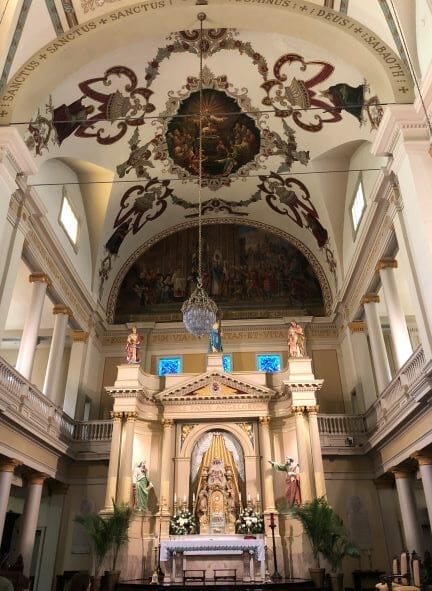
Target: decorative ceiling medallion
230	138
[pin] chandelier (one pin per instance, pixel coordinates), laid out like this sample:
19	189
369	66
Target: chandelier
199	311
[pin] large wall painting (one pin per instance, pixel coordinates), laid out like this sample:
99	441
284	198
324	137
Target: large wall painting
248	271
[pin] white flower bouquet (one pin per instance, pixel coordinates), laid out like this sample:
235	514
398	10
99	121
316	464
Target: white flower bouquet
250	522
183	523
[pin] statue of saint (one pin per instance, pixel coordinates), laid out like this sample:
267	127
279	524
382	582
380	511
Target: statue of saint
292	482
215	342
133	344
142	486
296	340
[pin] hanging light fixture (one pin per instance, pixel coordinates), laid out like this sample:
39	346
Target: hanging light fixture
199	311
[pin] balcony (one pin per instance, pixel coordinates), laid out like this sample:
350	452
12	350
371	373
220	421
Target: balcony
23	404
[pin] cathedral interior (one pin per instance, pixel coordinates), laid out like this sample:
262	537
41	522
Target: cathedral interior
276	154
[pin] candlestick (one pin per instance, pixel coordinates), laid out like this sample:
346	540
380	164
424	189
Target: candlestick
193	497
175	498
258	498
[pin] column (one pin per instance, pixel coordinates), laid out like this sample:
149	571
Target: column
398	328
318	467
11	247
412	532
29	519
379	354
166	465
425	466
78	349
360	356
125	471
303	454
267	470
404	133
113	467
7	468
53	371
30	332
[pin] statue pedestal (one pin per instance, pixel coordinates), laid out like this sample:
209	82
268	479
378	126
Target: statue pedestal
215	362
300	381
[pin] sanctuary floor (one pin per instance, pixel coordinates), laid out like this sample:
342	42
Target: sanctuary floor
283	585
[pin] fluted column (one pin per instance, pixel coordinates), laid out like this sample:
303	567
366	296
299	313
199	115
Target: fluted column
53	371
267	471
306	486
125	472
113	467
411	527
376	338
318	467
398	328
78	349
425	466
7	468
29	519
30	332
166	464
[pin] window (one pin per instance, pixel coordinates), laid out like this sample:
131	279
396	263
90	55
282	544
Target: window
169	365
68	219
357	206
269	363
227	364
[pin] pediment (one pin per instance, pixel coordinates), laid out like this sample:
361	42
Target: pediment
215	385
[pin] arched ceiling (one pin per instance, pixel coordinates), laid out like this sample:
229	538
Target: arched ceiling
290	89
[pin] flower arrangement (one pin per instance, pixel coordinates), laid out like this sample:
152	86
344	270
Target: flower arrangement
183	523
250	522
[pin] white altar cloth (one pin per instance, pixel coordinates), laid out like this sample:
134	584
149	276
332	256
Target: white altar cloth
212	545
176	549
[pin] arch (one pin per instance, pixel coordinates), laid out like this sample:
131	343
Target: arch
306	252
45	69
196	433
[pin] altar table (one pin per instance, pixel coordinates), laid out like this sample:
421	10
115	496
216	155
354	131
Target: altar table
179	547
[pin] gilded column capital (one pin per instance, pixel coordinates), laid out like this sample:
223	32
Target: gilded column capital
36	477
116	416
40	278
130	416
61	309
312	410
298	410
357	326
401	473
386	264
8	464
167	424
265	421
423	458
370	298
79	336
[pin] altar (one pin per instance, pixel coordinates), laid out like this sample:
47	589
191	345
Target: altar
244	557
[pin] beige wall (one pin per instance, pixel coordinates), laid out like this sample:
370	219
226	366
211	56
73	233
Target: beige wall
326	366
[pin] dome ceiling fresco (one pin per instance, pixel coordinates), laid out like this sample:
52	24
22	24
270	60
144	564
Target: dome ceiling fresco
272	106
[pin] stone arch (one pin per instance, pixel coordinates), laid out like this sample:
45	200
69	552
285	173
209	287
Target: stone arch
315	264
237	432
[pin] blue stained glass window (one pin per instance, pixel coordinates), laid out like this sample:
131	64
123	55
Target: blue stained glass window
169	365
269	363
226	360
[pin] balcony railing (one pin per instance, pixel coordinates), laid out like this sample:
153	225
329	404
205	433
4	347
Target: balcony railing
25	404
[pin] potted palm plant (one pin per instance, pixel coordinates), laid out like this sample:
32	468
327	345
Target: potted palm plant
317	517
98	530
336	548
118	525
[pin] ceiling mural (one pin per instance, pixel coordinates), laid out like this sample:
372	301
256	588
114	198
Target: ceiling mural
247	271
255	137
